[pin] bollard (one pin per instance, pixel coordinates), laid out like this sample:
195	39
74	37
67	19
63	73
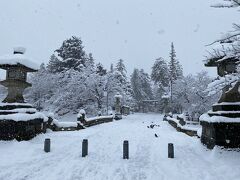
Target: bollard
125	150
170	150
84	148
47	145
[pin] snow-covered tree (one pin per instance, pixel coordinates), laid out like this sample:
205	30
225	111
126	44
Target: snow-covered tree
189	94
72	54
226	48
175	68
141	86
160	72
55	65
228	4
100	69
120	67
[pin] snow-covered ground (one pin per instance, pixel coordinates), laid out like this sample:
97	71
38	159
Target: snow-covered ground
148	155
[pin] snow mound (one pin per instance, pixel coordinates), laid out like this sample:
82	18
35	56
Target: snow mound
15	59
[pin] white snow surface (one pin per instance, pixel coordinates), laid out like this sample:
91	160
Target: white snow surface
98	117
148	155
14	59
23	116
218	119
65	124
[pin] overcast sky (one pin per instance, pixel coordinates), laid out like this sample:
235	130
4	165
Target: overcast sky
138	31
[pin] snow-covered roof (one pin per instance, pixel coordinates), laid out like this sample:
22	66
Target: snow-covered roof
18	58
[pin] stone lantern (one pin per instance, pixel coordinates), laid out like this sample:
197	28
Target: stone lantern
18	120
16	76
221	125
118	114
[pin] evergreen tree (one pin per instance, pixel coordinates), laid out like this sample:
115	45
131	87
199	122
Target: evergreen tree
141	86
72	54
160	73
111	68
121	68
55	65
175	69
100	69
90	61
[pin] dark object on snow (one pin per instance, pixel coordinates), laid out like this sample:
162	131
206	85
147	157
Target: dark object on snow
170	150
156	135
125	150
47	145
152	126
84	148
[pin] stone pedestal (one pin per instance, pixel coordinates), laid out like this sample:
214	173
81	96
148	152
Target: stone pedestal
221	126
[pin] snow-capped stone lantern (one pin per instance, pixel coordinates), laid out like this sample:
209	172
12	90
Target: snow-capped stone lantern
221	125
118	114
18	120
17	68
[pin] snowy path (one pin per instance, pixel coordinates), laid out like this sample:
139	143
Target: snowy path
148	155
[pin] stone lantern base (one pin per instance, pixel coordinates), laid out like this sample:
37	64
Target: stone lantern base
221	134
20	121
221	126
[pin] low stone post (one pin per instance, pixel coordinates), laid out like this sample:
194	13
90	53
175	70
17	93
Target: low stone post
125	150
47	145
170	150
84	148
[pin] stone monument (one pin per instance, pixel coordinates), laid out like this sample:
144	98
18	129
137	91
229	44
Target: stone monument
18	120
221	125
118	114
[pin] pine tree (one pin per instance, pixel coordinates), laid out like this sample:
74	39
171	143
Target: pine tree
72	54
121	68
111	68
160	73
55	65
100	69
141	86
175	69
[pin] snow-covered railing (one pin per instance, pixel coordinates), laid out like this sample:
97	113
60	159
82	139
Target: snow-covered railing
189	129
56	125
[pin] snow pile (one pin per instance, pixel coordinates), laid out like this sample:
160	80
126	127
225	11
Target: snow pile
24	117
21	110
218	119
65	124
99	117
15	59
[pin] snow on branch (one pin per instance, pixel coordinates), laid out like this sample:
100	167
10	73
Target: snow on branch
227	4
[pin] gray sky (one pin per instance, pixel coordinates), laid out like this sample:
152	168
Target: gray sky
138	31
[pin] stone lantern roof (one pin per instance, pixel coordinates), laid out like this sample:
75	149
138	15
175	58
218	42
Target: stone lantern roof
18	60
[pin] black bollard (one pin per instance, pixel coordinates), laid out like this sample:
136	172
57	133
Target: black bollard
170	150
47	145
125	150
84	148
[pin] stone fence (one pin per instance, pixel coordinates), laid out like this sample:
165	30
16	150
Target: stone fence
55	125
